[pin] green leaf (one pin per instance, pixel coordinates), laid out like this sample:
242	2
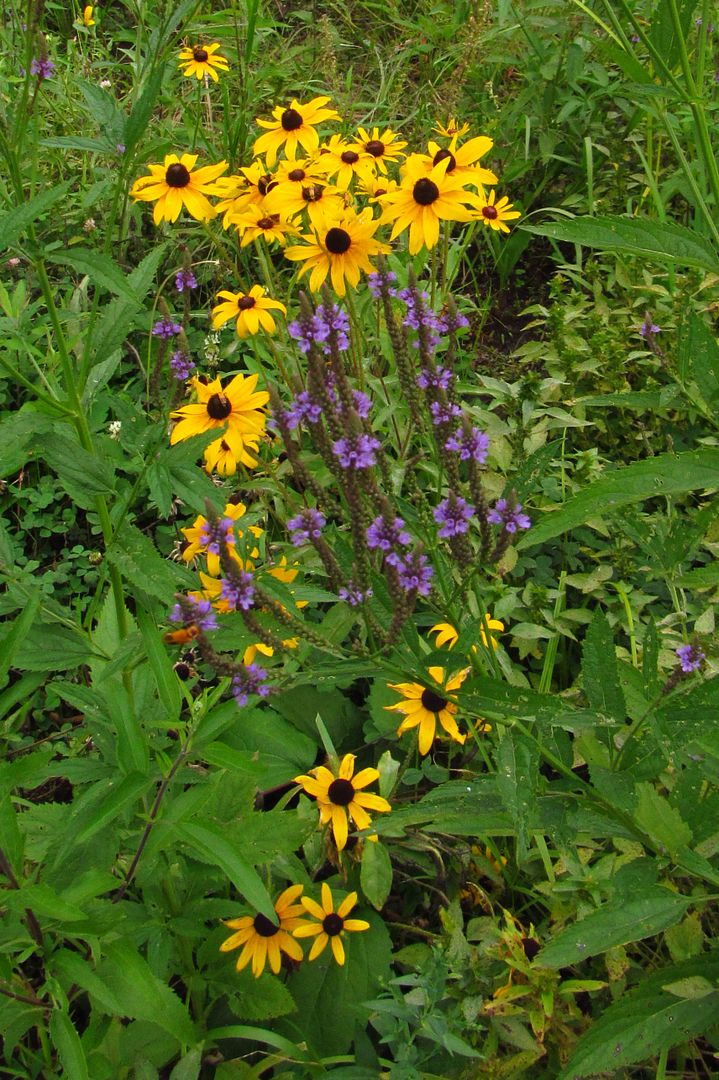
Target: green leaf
703	577
662	31
260	999
77	142
66	1041
138	561
660	820
665	474
600	677
50	646
212	843
141	994
694	986
101	270
188	1067
120	796
698	355
18	632
255	1034
166	680
516	783
661	239
14	223
614	924
136	122
11	839
376	873
82	475
70	967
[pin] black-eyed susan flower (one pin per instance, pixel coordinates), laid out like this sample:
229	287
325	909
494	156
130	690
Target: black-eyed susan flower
494	214
330	925
87	19
342	161
342	248
238	408
254	222
223	455
452	129
447	635
423	199
382	148
293	126
341	797
262	940
202	60
319	200
424	705
177	183
374	186
250	310
202	538
463	161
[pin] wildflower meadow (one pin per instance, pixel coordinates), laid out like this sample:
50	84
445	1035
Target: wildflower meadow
359	398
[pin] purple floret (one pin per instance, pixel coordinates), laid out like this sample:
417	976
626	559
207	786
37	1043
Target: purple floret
250	681
690	657
454	515
508	516
356	451
469	444
306	526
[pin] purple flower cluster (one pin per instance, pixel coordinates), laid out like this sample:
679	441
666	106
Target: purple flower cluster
239	592
356	451
384	535
307	332
166	328
181	365
414	572
469	444
302	408
306	526
648	328
213	535
194	612
250	681
439	379
374	281
444	414
353	595
508	516
43	68
185	279
334	321
690	657
454	515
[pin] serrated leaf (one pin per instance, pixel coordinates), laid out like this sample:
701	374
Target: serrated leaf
516	783
665	474
83	475
663	240
71	968
142	996
660	820
614	924
66	1041
212	842
14	223
260	999
600	677
143	567
100	268
376	873
120	796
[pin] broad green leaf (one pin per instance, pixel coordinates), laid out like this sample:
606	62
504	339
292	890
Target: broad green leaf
188	1068
66	1041
83	475
71	968
665	474
136	122
516	783
120	796
703	577
662	31
698	358
18	632
100	268
614	924
259	1000
22	434
600	677
77	142
376	873
660	820
166	680
212	843
141	994
694	986
11	840
143	567
50	646
44	901
663	240
14	223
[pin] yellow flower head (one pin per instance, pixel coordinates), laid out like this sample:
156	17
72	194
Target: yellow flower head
452	129
341	247
254	222
87	19
330	925
423	200
201	539
423	706
343	160
341	797
174	185
293	126
262	940
202	60
447	635
382	148
251	311
495	214
288	198
462	161
238	408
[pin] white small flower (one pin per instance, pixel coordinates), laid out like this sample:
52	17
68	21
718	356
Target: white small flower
105	84
114	428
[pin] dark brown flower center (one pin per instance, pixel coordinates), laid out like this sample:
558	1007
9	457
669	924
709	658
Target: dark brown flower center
245	303
332	924
380	191
433	702
490	213
200	54
340	792
375	148
264	927
337	241
296	175
425	192
266	223
291	120
442	155
177	175
349	157
225	447
312	193
266	183
219	407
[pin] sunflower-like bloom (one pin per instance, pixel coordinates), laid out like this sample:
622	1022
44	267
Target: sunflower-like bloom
423	200
452	129
238	408
341	796
288	199
251	310
424	706
248	189
374	186
381	148
330	924
447	635
343	160
292	127
200	539
254	222
201	60
262	940
174	185
462	161
87	19
341	247
495	214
